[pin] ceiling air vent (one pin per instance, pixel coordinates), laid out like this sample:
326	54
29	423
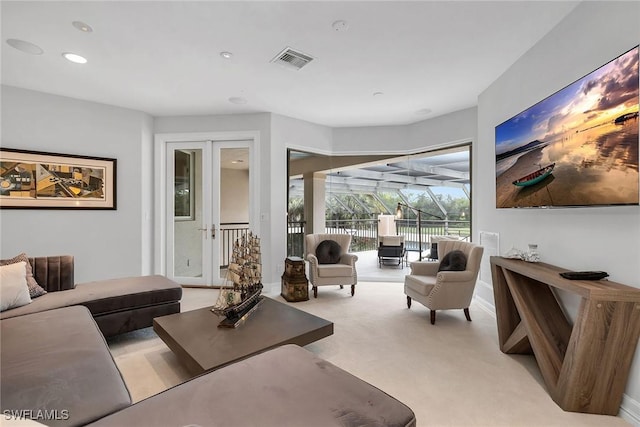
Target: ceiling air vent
292	59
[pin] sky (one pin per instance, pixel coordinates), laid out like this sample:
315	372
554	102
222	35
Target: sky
597	98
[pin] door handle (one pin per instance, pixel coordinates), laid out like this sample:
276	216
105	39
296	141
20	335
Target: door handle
204	229
213	231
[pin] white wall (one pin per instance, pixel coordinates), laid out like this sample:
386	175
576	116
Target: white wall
234	195
105	243
299	134
289	133
367	140
439	132
146	196
577	239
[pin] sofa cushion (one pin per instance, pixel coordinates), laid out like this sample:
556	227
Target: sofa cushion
453	261
35	290
124	294
328	252
107	296
420	284
288	386
58	361
14	291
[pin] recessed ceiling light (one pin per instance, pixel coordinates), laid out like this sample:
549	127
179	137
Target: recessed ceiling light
25	46
226	55
73	57
340	25
424	111
85	28
237	100
237	161
378	93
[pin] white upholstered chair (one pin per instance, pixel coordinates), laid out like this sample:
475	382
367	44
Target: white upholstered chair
341	273
444	290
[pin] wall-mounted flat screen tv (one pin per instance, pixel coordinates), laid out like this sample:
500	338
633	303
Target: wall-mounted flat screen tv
578	147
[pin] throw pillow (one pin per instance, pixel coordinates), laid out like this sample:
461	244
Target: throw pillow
328	252
35	290
13	286
453	261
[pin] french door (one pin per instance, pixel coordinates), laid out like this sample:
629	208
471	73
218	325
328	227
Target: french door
207	207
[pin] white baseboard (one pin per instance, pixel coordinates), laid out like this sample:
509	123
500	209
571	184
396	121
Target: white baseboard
630	410
485	305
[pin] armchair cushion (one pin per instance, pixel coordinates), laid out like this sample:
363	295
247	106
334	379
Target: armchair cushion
453	261
328	252
422	285
335	270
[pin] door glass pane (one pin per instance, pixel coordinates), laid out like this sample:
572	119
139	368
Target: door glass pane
183	182
234	200
188	218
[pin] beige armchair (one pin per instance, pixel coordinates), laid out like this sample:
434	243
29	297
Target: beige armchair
444	290
342	273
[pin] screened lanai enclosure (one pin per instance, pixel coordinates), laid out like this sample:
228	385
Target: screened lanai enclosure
419	197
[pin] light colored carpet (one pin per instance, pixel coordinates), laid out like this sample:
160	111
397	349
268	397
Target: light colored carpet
450	374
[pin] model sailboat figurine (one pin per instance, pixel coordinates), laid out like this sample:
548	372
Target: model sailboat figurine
245	274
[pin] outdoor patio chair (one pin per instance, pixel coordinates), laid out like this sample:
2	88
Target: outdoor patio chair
439	289
391	247
331	265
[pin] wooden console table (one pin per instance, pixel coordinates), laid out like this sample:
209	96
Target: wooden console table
585	366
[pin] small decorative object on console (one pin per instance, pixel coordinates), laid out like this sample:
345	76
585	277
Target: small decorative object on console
532	254
584	275
514	253
245	273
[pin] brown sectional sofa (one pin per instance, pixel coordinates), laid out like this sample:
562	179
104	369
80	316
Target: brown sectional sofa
58	361
117	305
56	368
288	386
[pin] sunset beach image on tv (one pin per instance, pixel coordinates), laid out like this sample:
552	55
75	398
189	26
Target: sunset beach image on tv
578	147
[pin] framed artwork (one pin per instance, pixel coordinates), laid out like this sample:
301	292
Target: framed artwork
34	180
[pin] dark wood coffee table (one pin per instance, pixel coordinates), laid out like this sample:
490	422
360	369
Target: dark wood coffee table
201	346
